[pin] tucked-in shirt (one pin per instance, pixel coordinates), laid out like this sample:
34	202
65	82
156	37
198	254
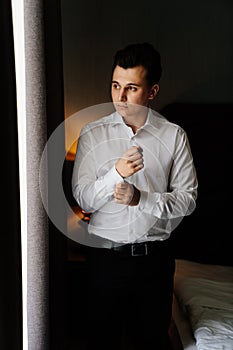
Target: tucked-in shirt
167	182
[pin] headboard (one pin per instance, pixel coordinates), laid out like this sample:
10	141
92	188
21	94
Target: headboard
205	235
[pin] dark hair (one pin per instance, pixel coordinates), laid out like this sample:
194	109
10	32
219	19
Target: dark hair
142	54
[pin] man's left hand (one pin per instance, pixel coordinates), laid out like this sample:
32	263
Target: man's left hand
126	193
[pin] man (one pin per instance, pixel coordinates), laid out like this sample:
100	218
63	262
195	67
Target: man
134	172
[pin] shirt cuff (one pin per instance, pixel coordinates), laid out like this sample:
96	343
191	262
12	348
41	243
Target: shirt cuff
111	179
148	202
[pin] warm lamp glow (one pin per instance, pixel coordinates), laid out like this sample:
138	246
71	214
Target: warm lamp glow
75	122
82	214
70	155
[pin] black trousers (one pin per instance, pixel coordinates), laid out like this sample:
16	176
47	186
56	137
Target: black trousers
129	298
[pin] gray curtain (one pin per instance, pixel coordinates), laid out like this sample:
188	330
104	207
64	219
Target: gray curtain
37	221
46	290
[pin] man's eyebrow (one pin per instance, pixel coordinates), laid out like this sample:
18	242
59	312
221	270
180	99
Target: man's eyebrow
129	84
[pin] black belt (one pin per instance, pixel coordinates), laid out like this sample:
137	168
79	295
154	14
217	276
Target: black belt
140	249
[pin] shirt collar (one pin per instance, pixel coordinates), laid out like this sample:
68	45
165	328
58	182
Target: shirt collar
153	119
117	119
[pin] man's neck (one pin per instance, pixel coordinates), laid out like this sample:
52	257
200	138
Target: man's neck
133	127
135	123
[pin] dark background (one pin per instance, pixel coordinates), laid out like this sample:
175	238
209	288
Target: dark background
195	42
194	39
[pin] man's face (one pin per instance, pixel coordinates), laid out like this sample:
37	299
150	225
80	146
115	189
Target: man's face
130	90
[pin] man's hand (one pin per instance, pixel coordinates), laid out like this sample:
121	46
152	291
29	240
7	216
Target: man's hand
127	194
130	162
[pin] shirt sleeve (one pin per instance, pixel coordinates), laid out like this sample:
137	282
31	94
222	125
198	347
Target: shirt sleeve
180	197
91	192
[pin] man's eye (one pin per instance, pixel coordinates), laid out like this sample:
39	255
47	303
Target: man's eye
132	88
115	86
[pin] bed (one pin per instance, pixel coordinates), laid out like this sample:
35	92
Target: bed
203	305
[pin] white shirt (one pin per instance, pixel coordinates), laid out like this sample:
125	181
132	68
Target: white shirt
167	183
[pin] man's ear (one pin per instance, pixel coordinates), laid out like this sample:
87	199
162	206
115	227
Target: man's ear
153	91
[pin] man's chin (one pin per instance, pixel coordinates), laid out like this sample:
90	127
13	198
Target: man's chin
127	110
122	109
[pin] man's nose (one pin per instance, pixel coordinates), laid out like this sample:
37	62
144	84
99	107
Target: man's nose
122	95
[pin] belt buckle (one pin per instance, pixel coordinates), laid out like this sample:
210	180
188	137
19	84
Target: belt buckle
139	249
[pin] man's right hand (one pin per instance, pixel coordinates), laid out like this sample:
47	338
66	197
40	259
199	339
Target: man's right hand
130	162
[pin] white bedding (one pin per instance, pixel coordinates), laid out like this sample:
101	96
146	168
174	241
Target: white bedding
205	295
209	305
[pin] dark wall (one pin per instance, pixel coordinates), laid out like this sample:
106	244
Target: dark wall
193	37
